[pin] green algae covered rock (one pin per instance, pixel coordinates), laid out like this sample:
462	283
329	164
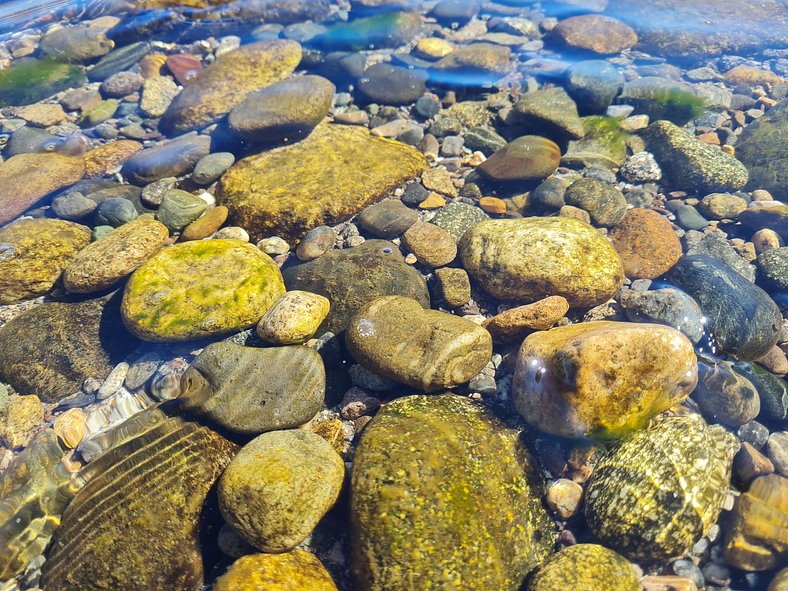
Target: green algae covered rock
763	148
585	567
137	521
659	491
199	289
29	82
528	259
604	144
297	570
323	180
33	255
443	494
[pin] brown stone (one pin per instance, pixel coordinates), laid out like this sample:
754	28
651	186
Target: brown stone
515	323
749	75
23	415
185	67
646	243
749	463
432	245
206	225
70	427
104	159
592	32
433	201
493	205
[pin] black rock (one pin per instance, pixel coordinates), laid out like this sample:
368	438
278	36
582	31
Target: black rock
170	159
391	85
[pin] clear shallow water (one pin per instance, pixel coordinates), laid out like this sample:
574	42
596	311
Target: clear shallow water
153	150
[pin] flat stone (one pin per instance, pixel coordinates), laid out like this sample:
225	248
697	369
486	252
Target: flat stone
391	85
551	112
529	157
211	167
206	225
387	219
77	44
180	208
515	323
432	245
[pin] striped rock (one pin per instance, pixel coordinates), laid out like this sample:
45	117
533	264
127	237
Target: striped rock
136	522
657	493
250	390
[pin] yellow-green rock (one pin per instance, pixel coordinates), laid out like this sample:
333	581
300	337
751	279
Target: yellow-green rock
323	180
199	289
444	496
528	259
33	254
297	570
228	81
293	318
602	379
585	567
655	494
20	419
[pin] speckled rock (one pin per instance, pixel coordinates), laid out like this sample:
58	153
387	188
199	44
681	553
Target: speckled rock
44	354
655	494
180	208
341	170
691	164
602	379
80	43
718	206
606	205
169	159
646	243
458	491
742	317
33	254
251	390
294	318
27	178
201	288
297	570
725	396
665	306
157	95
351	278
457	218
279	486
106	158
432	245
105	262
595	33
228	81
529	258
425	349
20	419
550	111
763	147
529	157
586	567
453	287
515	323
772	268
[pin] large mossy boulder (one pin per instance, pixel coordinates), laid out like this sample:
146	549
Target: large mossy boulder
443	493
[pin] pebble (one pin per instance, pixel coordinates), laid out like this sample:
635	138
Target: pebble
718	206
595	33
207	224
179	208
387	219
528	157
766	239
749	463
121	84
232	233
157	95
563	497
70	427
605	204
665	306
513	324
432	245
273	246
316	242
453	287
115	212
294	318
646	243
777	451
641	168
114	381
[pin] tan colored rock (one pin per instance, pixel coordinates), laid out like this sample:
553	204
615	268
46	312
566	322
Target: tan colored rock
602	379
23	415
293	318
749	463
751	75
432	245
42	114
209	223
104	159
515	323
563	497
592	32
668	583
70	427
297	570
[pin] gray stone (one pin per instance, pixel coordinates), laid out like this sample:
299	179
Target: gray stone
169	159
391	85
550	111
72	206
605	204
593	84
689	218
316	242
115	212
458	218
178	209
777	451
763	148
773	268
716	246
723	395
211	167
665	306
118	60
387	219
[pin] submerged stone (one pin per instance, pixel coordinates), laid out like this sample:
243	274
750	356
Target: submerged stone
763	148
527	158
29	82
297	570
442	491
168	159
381	31
586	567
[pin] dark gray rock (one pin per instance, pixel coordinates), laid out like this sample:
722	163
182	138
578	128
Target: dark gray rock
211	167
690	219
72	206
387	219
605	204
550	111
115	212
723	395
455	11
773	268
118	60
593	84
719	248
170	159
763	148
773	392
665	306
391	85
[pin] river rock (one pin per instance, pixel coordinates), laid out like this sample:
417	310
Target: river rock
51	349
286	110
601	379
742	317
153	480
606	205
80	43
279	486
515	323
387	219
595	33
119	60
115	212
228	81
691	164
27	178
646	243
432	245
772	268
665	306
169	159
589	567
725	396
28	81
425	349
550	111
772	217
105	262
34	253
297	570
593	84
251	390
527	158
206	225
294	318
473	65
180	208
530	258
405	536
340	171
199	289
655	494
381	31
763	149
391	85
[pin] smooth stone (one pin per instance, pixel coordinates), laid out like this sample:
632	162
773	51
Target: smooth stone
51	349
286	110
317	241
689	218
209	168
106	262
593	84
294	318
340	171
279	486
661	97
646	243
184	67
742	317
432	245
656	493
772	268
529	157
530	258
27	178
485	140
297	570
118	60
225	83
381	31
455	12
725	396
154	480
157	95
29	82
550	193
595	33
718	206
453	287
762	147
42	114
121	84
719	248
170	159
427	350
391	85
772	391
179	208
115	212
200	289
387	219
473	65
34	253
691	164
206	225
550	111
31	139
606	205
589	567
777	451
405	536
515	323
665	306
601	379
774	218
250	391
